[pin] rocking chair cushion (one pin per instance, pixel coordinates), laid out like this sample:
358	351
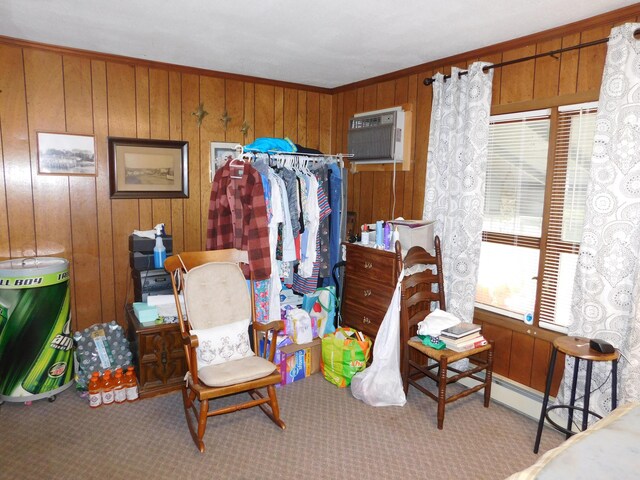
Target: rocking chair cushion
235	371
223	343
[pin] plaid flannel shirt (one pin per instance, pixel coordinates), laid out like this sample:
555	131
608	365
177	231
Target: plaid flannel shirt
238	218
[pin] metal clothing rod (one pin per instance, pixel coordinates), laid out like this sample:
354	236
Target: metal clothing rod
240	151
428	81
278	152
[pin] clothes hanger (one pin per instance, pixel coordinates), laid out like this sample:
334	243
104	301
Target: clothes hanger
236	165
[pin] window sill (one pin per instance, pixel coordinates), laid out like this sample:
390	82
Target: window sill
503	321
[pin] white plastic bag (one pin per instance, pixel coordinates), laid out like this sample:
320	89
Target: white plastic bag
380	385
436	322
302	332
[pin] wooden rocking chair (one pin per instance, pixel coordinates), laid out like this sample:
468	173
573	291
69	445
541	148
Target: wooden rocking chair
219	308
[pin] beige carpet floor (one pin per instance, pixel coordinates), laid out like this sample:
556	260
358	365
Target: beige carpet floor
329	435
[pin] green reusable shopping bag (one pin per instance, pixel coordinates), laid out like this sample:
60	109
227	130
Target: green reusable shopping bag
343	355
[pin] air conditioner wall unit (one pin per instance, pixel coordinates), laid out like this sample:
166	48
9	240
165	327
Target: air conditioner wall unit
378	136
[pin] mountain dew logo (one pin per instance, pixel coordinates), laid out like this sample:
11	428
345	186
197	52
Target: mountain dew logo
57	369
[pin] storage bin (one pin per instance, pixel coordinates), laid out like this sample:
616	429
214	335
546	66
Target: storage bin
414	233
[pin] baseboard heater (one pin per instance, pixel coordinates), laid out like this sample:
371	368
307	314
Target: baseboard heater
514	395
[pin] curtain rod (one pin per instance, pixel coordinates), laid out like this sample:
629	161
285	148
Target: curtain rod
429	80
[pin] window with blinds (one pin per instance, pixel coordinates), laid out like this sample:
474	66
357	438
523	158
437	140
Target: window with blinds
513	212
573	148
523	239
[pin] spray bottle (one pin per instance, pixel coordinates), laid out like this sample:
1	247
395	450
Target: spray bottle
159	251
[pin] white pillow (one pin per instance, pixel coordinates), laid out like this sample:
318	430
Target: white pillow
436	321
223	343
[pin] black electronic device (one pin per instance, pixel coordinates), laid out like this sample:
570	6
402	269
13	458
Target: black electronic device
146	245
601	346
150	282
143	261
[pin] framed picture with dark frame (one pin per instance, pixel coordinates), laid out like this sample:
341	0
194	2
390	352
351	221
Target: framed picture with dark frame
66	154
143	168
221	152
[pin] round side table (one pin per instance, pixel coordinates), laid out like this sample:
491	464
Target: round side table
579	349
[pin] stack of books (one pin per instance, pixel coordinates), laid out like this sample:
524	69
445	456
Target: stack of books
462	337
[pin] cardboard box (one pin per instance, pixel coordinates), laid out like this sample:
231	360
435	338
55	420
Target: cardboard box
299	361
293	367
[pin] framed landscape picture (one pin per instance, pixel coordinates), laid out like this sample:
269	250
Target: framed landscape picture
221	152
142	168
66	154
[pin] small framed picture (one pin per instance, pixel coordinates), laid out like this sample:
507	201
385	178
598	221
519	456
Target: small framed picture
66	154
142	168
221	152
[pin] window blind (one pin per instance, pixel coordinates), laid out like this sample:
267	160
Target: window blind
574	145
514	200
516	177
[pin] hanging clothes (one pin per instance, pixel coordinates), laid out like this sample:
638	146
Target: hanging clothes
291	184
308	251
277	219
309	283
238	217
335	202
322	174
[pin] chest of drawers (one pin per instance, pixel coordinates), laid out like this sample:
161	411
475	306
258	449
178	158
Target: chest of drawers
158	356
370	278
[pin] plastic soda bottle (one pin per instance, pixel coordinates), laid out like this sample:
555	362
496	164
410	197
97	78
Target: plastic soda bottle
95	393
131	385
107	388
119	392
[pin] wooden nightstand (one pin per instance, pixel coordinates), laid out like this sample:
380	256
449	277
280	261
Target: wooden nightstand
158	356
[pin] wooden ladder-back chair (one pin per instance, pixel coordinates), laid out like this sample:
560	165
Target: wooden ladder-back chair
419	293
219	309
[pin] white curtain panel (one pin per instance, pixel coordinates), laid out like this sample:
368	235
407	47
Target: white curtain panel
456	170
606	293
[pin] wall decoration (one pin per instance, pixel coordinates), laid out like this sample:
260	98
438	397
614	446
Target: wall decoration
200	113
245	128
142	168
220	153
225	119
66	154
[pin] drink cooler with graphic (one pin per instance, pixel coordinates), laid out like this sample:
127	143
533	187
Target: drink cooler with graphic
36	354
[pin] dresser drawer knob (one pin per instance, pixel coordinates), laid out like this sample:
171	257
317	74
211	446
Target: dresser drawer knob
367	293
368	265
366	320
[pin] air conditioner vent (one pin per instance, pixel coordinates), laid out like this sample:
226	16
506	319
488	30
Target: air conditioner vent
377	137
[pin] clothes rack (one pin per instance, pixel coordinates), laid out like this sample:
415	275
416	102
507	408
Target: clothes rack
222	228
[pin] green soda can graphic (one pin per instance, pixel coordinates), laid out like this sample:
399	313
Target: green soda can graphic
36	348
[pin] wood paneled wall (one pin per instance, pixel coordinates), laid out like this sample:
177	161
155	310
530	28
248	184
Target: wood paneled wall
73	216
522	353
50	89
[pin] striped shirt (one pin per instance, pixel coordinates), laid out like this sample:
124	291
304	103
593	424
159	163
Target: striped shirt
309	284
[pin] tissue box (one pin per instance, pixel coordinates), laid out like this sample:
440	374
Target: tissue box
147	314
414	233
